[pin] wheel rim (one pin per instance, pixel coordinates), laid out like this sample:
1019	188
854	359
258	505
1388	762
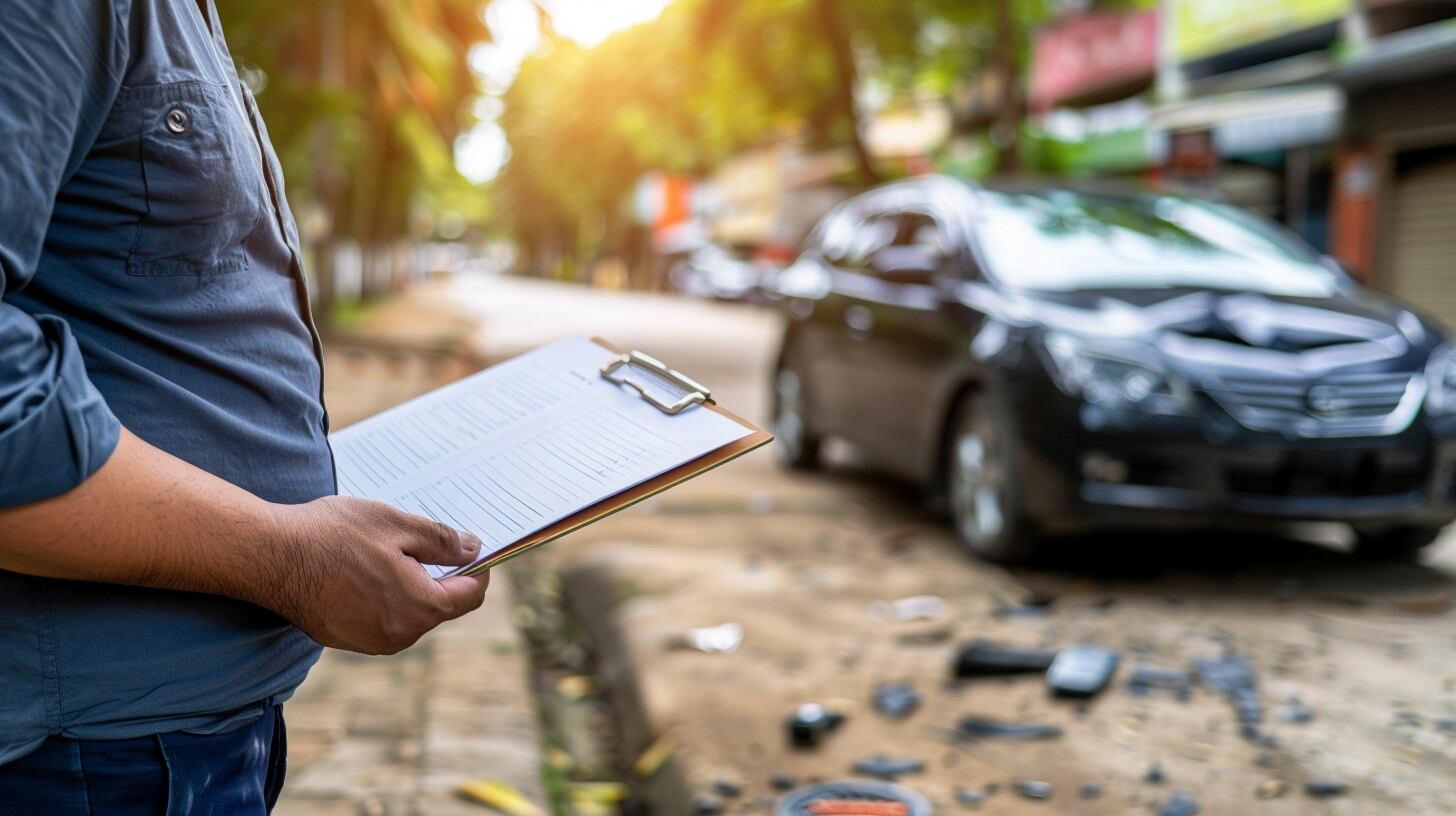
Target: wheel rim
789	414
977	482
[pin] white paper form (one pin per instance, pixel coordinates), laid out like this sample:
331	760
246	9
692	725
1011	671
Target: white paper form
521	445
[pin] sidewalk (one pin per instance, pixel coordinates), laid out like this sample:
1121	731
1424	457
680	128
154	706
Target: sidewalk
394	736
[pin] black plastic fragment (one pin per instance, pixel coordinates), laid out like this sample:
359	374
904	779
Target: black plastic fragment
1325	789
1180	804
982	728
1155	775
1145	681
1232	676
1032	789
982	658
1081	671
782	782
810	723
1090	790
886	767
727	790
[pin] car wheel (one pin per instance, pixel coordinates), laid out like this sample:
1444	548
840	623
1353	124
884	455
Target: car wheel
1393	543
797	444
983	482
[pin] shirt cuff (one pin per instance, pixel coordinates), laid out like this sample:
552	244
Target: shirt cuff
64	438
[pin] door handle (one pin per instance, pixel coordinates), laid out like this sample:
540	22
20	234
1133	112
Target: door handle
859	321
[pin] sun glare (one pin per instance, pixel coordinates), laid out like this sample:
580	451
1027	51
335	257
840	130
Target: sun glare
591	21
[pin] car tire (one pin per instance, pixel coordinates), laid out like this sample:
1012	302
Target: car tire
795	440
1393	543
983	481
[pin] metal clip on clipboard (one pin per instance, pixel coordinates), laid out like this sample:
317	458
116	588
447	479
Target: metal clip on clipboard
695	393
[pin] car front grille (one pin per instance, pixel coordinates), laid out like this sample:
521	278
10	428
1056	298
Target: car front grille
1351	474
1349	405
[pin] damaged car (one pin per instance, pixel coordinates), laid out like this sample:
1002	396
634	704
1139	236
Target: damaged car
1052	361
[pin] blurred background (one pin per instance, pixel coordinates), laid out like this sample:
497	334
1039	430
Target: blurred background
473	178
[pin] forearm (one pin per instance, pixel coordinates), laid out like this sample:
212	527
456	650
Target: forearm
148	518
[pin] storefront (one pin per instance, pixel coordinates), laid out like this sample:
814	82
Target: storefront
1395	189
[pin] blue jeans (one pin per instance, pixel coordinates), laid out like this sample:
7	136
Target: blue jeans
238	773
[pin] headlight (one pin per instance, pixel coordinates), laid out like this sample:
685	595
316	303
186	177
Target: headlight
1113	380
1441	381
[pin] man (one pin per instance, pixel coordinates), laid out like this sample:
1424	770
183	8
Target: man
171	556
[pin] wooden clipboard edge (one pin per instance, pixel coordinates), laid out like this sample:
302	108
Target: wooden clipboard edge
646	490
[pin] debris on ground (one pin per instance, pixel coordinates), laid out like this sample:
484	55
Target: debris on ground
721	639
887	767
896	700
650	761
727	789
1145	681
1090	790
982	658
1179	804
1325	789
782	782
1033	608
604	793
1155	775
1295	711
913	608
1032	789
1081	671
1232	676
810	723
499	795
1271	789
982	728
707	805
855	797
970	797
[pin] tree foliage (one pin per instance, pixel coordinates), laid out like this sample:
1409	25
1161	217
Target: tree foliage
364	100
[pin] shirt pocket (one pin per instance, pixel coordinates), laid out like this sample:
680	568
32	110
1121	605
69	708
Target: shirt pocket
201	172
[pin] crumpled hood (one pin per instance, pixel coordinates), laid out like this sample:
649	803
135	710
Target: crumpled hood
1210	334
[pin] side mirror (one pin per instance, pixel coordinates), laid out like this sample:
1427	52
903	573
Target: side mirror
916	264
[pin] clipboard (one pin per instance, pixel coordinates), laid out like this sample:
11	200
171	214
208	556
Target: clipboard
637	371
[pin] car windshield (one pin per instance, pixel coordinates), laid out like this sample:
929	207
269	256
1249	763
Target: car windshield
1066	241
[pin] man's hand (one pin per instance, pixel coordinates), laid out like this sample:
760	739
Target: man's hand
346	571
352	574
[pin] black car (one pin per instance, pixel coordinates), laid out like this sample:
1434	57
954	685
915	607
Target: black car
1053	360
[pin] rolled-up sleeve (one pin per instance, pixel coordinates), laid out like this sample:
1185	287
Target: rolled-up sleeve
60	69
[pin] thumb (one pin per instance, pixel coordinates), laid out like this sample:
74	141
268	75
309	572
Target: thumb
463	593
433	543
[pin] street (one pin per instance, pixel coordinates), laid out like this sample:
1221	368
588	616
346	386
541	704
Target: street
1354	663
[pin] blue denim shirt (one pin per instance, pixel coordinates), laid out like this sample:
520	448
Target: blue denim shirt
149	277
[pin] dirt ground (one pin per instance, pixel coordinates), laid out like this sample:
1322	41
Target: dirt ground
798	559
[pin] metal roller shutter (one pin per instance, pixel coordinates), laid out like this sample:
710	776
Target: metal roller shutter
1422	239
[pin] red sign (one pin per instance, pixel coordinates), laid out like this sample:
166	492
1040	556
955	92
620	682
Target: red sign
1092	52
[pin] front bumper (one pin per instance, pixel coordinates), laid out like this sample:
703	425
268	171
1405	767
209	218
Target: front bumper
1085	472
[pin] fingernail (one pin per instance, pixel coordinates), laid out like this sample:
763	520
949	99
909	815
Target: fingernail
471	545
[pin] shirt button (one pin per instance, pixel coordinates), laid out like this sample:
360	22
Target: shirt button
177	120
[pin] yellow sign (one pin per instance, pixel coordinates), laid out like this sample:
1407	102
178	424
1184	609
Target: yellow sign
1202	28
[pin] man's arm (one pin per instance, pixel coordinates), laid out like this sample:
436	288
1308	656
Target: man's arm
81	498
346	571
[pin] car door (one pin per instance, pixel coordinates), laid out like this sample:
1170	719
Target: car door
903	325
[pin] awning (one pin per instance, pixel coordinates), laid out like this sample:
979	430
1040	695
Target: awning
1253	121
1401	57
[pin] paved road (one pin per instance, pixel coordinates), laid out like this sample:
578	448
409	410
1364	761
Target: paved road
797	560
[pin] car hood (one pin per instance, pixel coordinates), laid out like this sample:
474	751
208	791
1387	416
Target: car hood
1214	335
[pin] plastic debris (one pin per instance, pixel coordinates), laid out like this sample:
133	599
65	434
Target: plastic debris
706	805
1033	789
1233	677
727	789
982	728
1295	711
896	700
605	793
499	795
1081	671
782	782
810	723
1090	790
722	639
913	608
1325	789
850	807
1146	681
970	797
1180	804
981	658
651	760
886	767
1155	775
